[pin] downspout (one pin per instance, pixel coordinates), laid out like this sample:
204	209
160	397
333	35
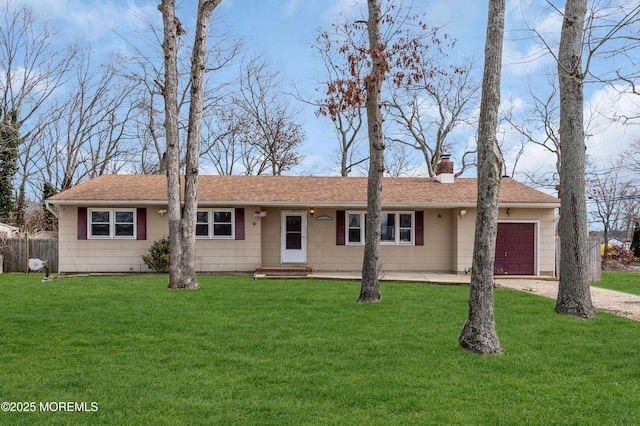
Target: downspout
53	212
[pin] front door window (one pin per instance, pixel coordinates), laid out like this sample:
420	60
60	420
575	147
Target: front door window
294	237
294	232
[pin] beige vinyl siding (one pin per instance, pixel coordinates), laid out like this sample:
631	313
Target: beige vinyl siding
547	241
125	255
229	255
100	255
448	244
324	255
270	226
543	219
464	231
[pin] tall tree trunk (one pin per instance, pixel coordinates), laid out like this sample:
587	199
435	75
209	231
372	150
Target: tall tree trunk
172	29
574	296
182	222
190	210
479	334
370	286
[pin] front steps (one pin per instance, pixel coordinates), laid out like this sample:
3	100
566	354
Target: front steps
281	273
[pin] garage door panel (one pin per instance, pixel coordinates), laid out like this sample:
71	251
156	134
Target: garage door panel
515	253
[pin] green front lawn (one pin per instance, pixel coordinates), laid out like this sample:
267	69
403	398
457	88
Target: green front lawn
296	352
627	282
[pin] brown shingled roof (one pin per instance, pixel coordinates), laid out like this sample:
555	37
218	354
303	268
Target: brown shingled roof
297	190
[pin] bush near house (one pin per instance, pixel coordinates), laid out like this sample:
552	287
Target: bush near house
159	256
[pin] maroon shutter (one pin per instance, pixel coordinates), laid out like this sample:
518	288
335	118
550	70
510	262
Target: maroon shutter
82	223
340	221
239	224
419	227
141	224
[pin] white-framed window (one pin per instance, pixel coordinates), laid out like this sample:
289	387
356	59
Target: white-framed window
405	228
112	223
223	223
355	227
215	223
387	227
202	223
395	227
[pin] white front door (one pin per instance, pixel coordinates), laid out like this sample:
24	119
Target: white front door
293	240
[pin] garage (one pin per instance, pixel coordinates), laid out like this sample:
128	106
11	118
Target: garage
515	249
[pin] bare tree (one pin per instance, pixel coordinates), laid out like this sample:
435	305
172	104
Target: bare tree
32	70
430	107
348	124
611	36
192	172
397	161
370	285
600	35
182	220
172	30
630	212
540	125
427	98
276	135
86	136
339	103
389	53
609	193
478	334
144	69
227	142
574	296
632	156
609	39
147	89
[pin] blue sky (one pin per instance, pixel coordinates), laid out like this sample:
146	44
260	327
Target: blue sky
282	30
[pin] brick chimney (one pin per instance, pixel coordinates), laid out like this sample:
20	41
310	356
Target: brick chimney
444	170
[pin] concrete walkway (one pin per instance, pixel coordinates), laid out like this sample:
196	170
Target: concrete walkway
610	301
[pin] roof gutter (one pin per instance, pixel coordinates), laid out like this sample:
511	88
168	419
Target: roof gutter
107	202
298	204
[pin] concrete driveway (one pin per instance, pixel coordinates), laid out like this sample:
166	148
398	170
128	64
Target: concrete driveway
610	301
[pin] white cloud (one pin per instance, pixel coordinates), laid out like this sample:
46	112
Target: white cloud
532	29
606	136
94	20
609	136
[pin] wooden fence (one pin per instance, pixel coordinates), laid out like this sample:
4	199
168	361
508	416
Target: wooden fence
594	260
16	253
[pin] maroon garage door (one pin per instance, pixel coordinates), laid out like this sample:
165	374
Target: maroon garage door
515	249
